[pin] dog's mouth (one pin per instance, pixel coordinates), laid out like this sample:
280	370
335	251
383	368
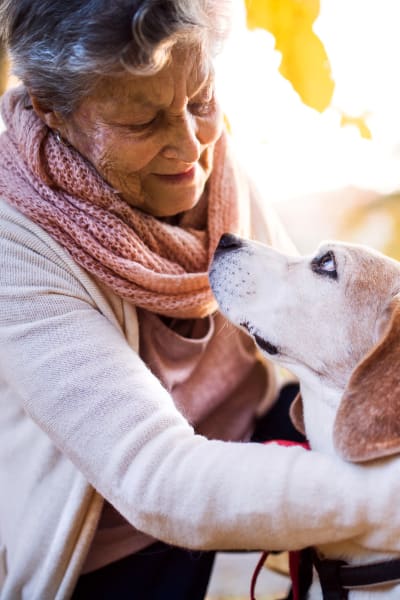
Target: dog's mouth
260	341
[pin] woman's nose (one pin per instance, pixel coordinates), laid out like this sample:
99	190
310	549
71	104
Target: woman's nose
182	143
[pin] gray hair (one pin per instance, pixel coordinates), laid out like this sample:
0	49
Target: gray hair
59	48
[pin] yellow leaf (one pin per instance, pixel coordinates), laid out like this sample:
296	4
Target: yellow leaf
227	124
358	122
304	62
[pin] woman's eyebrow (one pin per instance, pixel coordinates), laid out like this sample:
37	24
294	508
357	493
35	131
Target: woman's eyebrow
141	98
205	82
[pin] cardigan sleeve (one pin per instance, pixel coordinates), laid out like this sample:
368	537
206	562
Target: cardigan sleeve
73	372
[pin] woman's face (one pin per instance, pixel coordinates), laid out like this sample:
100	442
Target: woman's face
152	137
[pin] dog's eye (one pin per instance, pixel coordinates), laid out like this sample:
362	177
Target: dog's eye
325	265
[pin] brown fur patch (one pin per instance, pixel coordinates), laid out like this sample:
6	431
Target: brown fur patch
367	424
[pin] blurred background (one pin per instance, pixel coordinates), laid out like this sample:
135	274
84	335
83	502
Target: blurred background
310	91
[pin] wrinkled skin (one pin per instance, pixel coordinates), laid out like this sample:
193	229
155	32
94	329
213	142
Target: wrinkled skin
150	137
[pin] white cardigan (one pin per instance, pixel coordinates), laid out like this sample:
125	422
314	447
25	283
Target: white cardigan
82	418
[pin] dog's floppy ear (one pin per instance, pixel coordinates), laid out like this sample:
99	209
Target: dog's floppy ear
367	424
296	414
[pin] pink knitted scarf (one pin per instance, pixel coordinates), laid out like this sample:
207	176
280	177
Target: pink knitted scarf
158	266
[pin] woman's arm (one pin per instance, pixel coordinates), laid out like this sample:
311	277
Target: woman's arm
79	380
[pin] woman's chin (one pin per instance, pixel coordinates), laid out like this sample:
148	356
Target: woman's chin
169	203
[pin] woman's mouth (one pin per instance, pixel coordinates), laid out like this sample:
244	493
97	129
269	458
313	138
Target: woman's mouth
174	178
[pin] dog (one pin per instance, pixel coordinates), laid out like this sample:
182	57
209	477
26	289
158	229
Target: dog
333	320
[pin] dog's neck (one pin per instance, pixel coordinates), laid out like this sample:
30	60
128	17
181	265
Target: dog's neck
320	403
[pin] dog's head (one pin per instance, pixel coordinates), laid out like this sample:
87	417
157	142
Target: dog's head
335	316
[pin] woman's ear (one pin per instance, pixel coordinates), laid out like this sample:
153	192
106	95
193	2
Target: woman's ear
52	118
367	424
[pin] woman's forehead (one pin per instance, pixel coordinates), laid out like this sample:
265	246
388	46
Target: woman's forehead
185	75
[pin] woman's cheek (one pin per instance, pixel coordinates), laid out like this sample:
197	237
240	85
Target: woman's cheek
211	127
127	155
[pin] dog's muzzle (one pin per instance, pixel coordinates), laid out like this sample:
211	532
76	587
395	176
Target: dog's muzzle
221	264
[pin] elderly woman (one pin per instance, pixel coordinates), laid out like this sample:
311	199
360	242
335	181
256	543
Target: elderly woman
123	391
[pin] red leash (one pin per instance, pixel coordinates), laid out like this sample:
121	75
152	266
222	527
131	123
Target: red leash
256	573
294	556
294	563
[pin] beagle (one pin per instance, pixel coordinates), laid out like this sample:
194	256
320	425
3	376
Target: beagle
332	319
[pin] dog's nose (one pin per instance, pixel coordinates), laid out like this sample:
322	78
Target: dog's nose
229	241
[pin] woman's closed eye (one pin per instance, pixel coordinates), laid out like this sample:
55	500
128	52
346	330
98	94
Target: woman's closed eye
138	127
202	109
204	102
